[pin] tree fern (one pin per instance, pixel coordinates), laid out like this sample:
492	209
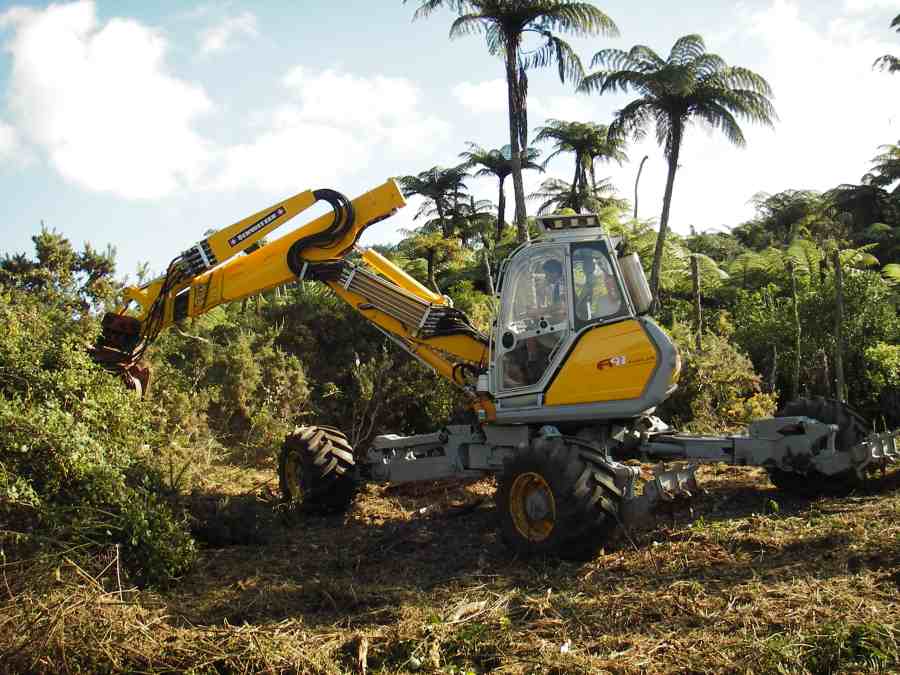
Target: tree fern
690	84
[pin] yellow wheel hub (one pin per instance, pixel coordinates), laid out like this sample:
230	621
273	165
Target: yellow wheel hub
532	506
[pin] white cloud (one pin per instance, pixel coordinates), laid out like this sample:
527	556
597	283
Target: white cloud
8	141
867	5
223	35
98	100
567	107
489	96
332	125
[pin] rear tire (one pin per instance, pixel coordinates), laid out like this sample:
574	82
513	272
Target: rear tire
852	429
316	469
557	498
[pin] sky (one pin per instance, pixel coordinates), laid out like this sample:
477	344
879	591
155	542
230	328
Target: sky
143	125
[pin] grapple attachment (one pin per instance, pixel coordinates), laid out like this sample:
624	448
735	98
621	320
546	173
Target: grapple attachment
118	350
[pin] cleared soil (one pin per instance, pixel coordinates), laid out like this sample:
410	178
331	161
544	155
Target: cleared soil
414	579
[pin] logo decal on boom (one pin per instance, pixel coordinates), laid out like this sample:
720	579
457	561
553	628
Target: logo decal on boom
250	230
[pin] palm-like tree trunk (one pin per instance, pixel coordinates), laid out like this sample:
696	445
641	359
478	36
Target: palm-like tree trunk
636	181
573	194
795	370
501	209
839	327
447	232
698	309
677	129
429	259
486	261
512	89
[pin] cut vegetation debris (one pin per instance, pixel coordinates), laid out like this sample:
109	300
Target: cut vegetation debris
757	582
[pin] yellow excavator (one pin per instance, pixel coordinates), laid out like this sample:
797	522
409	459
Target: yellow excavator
568	378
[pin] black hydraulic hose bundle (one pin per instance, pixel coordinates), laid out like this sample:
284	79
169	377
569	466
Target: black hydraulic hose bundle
344	218
156	314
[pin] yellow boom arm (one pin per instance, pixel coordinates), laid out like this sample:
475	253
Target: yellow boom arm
212	272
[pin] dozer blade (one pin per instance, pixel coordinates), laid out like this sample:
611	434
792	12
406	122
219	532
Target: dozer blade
667	492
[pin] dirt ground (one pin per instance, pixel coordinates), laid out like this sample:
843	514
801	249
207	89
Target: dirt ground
415	579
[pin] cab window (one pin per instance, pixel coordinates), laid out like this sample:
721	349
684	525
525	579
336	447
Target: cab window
534	315
597	294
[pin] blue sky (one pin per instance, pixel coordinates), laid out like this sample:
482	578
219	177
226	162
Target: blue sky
142	125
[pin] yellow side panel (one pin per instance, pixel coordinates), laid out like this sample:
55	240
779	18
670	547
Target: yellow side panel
609	363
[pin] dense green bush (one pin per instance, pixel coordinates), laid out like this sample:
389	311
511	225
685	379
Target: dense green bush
75	463
224	380
883	378
359	381
718	389
764	329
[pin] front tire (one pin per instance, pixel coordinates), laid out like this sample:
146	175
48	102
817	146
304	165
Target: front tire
316	469
557	498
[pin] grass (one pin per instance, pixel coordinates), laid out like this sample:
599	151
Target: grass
414	579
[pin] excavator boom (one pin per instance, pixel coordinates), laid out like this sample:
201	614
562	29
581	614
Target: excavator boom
232	263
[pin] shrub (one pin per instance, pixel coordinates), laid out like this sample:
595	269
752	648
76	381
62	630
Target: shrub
719	390
224	380
75	467
883	377
478	306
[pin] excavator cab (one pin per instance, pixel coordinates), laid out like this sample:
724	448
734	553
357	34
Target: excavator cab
571	338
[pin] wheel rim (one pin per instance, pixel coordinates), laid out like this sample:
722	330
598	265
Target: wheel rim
532	506
292	477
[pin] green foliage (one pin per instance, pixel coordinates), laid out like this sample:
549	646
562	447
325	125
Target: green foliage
498	163
479	307
437	250
691	84
503	25
589	142
82	281
226	379
75	468
839	646
889	62
558	196
883	378
441	188
719	388
315	322
764	329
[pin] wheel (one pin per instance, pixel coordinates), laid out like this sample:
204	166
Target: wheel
316	469
557	498
852	429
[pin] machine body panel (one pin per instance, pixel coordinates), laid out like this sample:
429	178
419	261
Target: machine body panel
610	362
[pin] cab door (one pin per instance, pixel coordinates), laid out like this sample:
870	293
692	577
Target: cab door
535	317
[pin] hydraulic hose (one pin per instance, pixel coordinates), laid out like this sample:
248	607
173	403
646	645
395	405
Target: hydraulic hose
344	218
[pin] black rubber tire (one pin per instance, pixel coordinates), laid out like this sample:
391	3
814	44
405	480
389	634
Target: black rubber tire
586	500
852	429
316	470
